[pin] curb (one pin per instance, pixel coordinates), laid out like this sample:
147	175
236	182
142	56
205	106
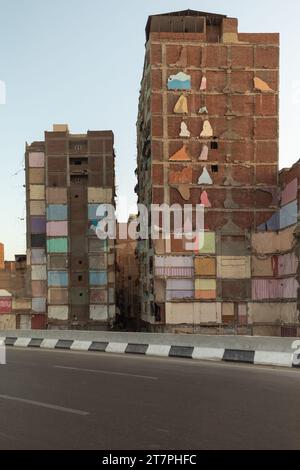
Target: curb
267	358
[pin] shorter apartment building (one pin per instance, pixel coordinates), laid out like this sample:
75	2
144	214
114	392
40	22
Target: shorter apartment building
72	271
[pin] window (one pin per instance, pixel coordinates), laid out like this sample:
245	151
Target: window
214	145
214	168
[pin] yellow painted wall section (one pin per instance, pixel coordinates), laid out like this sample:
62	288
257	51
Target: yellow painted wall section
272	242
234	267
193	313
205	284
37	208
101	195
272	312
205	266
21	304
37	191
7	322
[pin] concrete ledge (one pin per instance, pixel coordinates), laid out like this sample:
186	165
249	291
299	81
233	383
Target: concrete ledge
281	352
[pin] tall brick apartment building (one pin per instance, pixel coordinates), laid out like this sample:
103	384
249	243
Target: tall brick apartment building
208	133
72	271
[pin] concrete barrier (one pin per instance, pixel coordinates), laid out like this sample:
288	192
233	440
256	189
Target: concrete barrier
282	352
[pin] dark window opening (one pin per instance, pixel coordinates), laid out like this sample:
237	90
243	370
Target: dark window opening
81	294
76	196
214	168
214	145
79	278
79	262
77	162
157	313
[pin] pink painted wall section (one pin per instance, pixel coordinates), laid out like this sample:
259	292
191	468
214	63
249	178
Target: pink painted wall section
56	229
36	159
289	194
264	289
174	272
5	305
174	266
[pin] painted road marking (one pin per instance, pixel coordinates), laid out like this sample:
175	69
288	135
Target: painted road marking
98	371
44	405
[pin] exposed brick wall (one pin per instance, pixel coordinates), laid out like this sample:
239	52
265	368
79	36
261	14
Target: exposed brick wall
243	167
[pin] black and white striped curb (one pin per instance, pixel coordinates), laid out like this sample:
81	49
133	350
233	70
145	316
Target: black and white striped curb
271	358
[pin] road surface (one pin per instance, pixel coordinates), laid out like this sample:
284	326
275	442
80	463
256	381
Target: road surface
69	400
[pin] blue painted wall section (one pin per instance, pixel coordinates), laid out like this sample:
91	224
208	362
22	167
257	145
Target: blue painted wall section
180	81
57	278
98	278
57	212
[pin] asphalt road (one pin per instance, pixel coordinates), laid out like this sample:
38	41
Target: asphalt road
69	400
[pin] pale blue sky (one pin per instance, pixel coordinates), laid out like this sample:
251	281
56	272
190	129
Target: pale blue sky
80	62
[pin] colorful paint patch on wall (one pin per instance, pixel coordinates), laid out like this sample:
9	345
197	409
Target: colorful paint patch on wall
206	243
181	107
58	278
183	176
56	229
38	273
38	224
37	191
174	266
264	289
261	85
207	130
205	266
57	245
205	178
289	215
98	312
179	289
39	305
38	256
184	132
204	200
181	155
205	289
234	267
180	81
98	278
59	312
36	159
56	212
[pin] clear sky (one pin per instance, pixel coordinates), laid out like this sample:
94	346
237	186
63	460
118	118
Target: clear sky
80	62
